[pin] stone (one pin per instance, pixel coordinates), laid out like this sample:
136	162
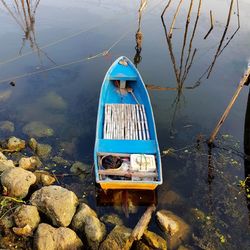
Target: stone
17	181
33	143
176	229
60	161
58	203
181	247
37	129
43	150
30	163
23	231
94	231
7	127
6	164
170	198
139	245
154	241
2	156
79	218
27	215
116	239
44	178
5	95
198	214
53	101
113	219
15	144
50	238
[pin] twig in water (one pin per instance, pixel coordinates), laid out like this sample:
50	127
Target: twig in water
173	21
211	25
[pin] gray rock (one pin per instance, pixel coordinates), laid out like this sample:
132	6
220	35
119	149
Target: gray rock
154	241
113	219
43	150
116	239
94	231
177	229
80	169
29	163
44	178
5	95
2	156
37	129
50	238
53	101
15	144
6	164
33	144
58	203
17	181
7	127
23	216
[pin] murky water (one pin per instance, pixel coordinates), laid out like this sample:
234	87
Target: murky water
66	98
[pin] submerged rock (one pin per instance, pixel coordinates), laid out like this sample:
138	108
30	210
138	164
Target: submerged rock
17	181
6	164
53	101
44	178
2	156
5	95
7	127
15	144
139	245
58	203
26	218
43	150
60	161
176	228
170	198
116	239
154	241
80	169
50	238
29	163
37	129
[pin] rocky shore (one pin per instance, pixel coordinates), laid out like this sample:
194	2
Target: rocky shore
38	213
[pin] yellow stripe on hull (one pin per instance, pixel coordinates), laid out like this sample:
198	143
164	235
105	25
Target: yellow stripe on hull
120	185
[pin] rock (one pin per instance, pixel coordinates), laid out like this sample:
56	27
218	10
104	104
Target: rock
181	247
68	147
6	164
44	178
7	127
43	150
198	214
29	163
5	95
2	156
154	241
79	218
50	238
15	144
37	129
53	101
113	219
80	169
176	229
60	161
170	198
58	203
139	245
94	231
33	144
116	239
26	217
17	181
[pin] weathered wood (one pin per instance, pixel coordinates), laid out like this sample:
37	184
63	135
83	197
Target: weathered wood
140	227
244	80
114	172
173	21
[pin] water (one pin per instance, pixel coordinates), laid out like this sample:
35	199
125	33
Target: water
66	98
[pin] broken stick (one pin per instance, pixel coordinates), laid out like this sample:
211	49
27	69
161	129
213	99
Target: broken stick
140	227
244	81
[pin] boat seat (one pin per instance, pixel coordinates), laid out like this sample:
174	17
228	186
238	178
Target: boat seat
125	122
127	146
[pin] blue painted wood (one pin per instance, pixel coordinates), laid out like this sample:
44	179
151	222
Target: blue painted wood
111	95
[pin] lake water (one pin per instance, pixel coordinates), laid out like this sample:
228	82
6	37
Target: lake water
66	98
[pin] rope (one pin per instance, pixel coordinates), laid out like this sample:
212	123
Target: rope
101	54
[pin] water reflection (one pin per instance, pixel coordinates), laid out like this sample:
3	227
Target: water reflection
24	12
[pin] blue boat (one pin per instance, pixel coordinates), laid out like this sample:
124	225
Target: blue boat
126	154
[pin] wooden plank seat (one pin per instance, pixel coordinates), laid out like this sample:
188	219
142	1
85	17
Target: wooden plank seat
125	122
